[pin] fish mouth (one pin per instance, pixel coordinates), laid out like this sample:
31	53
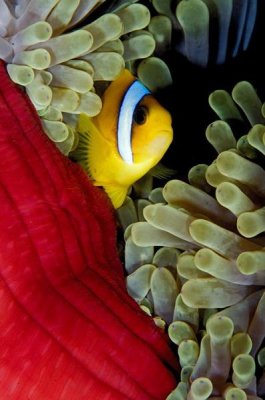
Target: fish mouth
166	133
162	140
155	149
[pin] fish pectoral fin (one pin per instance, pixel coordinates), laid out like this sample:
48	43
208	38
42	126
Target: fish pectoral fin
162	172
85	130
117	194
90	145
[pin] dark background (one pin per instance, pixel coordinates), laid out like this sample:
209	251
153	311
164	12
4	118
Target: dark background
187	98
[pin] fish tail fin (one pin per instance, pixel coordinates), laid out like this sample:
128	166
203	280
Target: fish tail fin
162	172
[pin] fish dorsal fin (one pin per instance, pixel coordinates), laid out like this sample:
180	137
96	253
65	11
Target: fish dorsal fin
117	194
162	172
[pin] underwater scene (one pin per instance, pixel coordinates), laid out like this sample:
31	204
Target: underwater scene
132	188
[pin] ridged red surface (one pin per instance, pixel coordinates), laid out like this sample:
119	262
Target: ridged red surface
68	329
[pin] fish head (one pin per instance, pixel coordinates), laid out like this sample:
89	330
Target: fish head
132	121
152	131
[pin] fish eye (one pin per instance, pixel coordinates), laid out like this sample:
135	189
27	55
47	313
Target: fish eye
140	115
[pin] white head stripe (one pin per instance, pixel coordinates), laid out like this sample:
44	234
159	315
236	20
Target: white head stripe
132	97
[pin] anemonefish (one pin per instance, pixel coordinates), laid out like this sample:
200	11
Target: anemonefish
126	139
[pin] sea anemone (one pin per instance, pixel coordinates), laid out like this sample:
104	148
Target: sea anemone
68	329
59	65
208	288
194	261
223	30
62	60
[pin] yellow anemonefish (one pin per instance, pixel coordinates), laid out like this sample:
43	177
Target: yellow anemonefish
126	139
